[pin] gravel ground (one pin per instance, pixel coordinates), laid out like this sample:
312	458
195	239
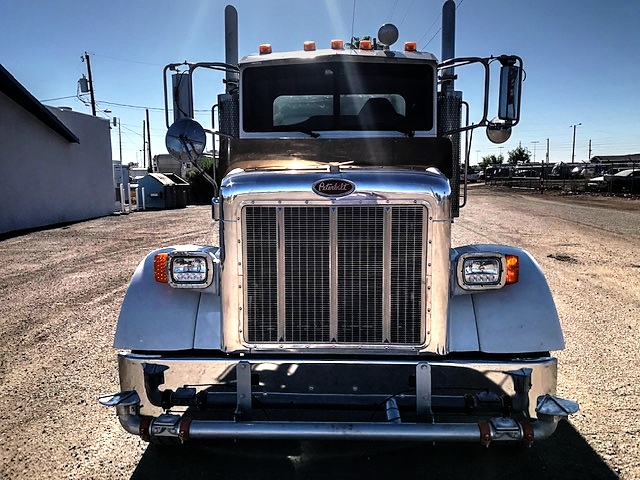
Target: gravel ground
63	287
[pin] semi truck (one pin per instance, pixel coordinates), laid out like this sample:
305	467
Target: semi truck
333	304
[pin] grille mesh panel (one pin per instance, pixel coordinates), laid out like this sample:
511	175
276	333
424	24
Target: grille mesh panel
360	238
306	278
262	271
371	293
406	282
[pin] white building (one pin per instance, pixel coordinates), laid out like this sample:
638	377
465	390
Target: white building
56	163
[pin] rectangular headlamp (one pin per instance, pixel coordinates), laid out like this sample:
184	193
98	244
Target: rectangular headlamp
184	269
486	271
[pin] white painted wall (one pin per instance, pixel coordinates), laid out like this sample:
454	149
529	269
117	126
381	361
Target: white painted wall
47	180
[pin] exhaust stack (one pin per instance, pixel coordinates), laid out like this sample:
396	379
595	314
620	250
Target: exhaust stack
231	44
448	41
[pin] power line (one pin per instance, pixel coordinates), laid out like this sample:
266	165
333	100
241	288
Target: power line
127	60
58	98
407	13
125	105
439	30
393	10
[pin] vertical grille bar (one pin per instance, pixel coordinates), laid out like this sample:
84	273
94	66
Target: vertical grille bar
335	274
386	273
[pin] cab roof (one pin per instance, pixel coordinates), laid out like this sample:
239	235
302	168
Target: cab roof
327	54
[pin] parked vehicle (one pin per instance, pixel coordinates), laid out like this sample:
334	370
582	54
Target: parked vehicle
597	184
334	306
472	176
627	181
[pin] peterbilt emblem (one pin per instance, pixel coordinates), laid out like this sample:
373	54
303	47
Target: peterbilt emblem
333	187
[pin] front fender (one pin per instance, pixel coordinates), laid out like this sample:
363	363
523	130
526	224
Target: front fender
517	318
157	317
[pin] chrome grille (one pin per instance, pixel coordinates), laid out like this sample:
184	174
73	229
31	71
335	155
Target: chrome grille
327	274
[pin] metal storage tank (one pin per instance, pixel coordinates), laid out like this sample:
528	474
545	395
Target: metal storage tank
162	191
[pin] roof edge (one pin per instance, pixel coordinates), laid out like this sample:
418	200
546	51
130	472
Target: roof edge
20	95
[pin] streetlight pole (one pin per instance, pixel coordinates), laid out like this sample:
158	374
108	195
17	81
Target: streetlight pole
573	148
116	121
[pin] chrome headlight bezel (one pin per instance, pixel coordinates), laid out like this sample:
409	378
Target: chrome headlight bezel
463	276
209	262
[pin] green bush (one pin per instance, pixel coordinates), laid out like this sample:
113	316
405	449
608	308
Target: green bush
201	190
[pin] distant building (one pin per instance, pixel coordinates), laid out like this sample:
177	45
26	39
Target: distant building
630	158
165	163
57	165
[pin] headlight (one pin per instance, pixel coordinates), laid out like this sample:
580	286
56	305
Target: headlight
486	271
184	269
189	270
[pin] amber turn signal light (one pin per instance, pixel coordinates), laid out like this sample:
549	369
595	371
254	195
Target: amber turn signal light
160	267
513	269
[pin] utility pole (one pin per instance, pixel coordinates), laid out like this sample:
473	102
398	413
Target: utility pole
589	149
144	145
149	141
535	142
573	148
547	151
93	100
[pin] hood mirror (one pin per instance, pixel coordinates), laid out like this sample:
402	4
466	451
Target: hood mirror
498	131
185	140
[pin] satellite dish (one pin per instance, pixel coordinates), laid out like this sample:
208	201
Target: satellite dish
185	140
388	34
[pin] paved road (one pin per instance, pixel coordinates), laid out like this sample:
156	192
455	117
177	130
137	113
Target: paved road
63	288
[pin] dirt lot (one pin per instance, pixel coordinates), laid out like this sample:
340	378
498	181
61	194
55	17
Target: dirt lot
62	289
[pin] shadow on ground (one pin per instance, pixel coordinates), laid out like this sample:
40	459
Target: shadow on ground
566	455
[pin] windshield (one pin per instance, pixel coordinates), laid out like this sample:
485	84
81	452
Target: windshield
337	95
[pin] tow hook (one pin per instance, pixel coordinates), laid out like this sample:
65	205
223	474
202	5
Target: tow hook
550	410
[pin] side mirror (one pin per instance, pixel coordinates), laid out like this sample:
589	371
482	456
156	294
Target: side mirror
182	95
509	97
185	140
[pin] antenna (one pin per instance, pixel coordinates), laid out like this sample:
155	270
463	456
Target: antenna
353	19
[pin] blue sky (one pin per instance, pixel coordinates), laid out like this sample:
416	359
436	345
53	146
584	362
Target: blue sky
582	57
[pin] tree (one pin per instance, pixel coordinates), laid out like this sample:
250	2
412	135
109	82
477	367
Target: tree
201	190
491	160
519	155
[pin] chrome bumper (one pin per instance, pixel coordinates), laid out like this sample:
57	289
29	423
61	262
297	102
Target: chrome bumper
405	400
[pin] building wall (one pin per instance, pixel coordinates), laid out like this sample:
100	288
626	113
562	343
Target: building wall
45	179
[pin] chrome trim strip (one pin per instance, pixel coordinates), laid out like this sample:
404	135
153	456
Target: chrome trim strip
333	274
282	285
386	274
